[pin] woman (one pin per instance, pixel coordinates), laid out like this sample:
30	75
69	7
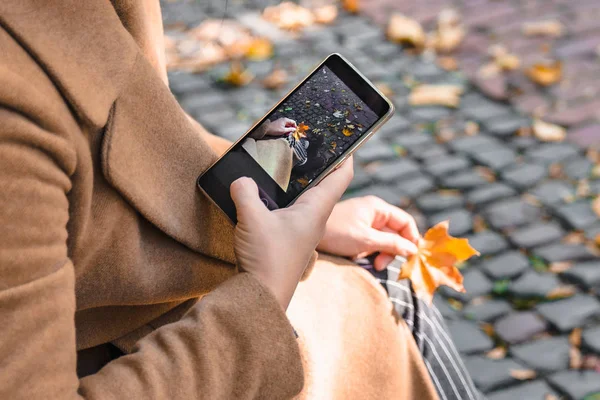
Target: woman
119	280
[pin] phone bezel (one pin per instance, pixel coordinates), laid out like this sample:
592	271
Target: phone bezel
363	88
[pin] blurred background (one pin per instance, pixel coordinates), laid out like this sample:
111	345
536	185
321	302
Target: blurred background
497	129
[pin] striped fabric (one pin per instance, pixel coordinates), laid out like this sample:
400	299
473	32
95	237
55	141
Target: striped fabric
447	371
299	147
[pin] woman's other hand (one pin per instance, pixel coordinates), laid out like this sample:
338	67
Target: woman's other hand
276	246
280	127
360	226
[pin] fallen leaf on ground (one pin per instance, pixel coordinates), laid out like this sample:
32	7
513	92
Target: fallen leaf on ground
326	14
276	79
259	49
575	358
406	31
523	374
299	133
199	61
289	16
352	6
347	132
303	181
551	28
237	75
596	205
546	73
471	128
434	264
479	224
449	33
502	59
448	63
548	132
445	95
550	396
488	329
561	292
560	266
497	353
583	188
575	337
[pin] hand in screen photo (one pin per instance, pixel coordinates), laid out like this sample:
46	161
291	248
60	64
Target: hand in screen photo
279	127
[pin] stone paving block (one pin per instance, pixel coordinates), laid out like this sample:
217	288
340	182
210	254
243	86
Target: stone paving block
519	327
439	201
576	384
593	231
183	83
413	140
521	143
550	153
232	131
476	284
579	168
487	311
564	252
511	213
489	193
490	374
360	179
488	242
385	192
395	170
428	113
395	127
570	313
506	265
461	221
464	180
553	192
525	175
479	108
544	355
586	274
533	284
536	390
536	234
591	339
429	152
495	159
444	308
578	215
468	338
474	144
506	125
447	165
375	150
415	186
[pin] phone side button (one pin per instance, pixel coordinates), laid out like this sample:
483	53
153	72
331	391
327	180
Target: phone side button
340	162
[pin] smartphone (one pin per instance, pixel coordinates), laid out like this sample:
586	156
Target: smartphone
308	134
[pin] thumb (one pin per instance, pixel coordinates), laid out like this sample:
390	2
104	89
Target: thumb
244	194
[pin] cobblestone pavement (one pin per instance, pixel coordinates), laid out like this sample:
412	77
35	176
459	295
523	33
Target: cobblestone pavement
574	102
518	200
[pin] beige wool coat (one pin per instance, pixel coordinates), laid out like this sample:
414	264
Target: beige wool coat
105	238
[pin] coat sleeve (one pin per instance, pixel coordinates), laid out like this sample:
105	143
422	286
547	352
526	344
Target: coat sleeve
235	343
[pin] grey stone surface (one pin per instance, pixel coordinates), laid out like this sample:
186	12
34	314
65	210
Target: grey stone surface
413	140
524	142
394	128
476	284
481	109
474	144
383	191
506	125
519	326
488	242
524	176
578	215
489	193
464	180
461	220
506	265
447	165
579	168
395	170
570	313
591	338
444	308
553	192
375	150
490	374
496	159
511	213
438	201
415	186
536	234
468	338
428	113
550	153
536	390
593	231
487	311
361	179
576	384
586	274
564	252
429	152
533	284
544	355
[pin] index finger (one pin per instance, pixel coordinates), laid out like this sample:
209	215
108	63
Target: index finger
402	222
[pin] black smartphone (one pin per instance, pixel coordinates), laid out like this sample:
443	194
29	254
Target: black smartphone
308	134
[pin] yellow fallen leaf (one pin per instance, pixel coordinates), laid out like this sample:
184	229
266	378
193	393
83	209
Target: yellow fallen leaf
406	31
548	132
502	59
448	63
347	132
299	133
488	329
434	264
596	205
276	79
523	374
325	14
445	95
289	16
303	181
551	28
237	75
560	266
449	33
561	292
259	49
575	337
550	396
545	74
352	6
575	358
497	353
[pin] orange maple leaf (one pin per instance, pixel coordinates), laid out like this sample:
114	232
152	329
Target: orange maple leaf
300	129
347	132
434	263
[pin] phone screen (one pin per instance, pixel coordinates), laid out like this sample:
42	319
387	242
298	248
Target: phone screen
305	134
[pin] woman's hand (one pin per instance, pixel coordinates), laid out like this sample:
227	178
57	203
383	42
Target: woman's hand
360	226
280	127
276	246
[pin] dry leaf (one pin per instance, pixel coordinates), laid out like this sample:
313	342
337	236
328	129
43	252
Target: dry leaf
552	28
448	63
289	16
575	237
575	358
561	292
347	132
523	374
486	173
550	396
575	337
456	304
596	205
259	49
471	128
445	95
384	88
479	224
502	60
593	155
497	353
326	14
560	266
299	133
548	132
434	264
406	31
583	188
449	33
276	79
303	181
488	329
237	75
546	73
555	171
352	6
